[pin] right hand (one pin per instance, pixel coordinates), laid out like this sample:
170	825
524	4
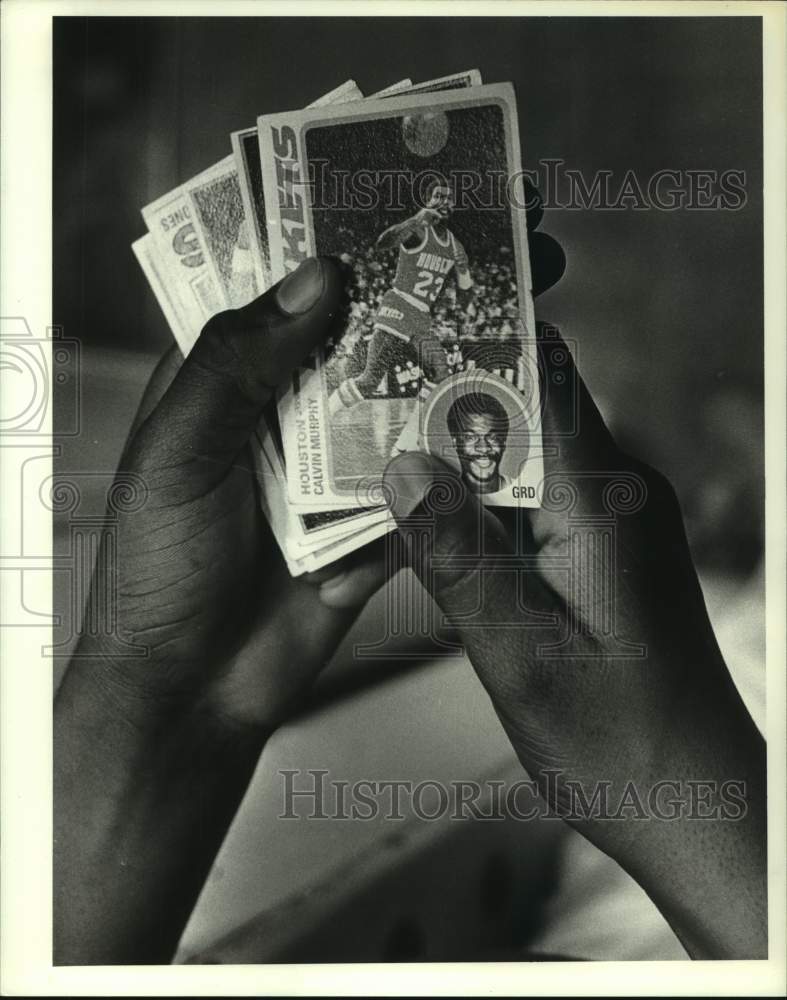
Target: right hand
427	217
641	692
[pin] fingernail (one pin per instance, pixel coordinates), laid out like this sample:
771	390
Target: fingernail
301	289
333	582
407	480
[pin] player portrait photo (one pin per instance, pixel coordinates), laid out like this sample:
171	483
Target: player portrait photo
474	421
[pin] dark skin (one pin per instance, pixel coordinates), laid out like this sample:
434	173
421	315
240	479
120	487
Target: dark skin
153	755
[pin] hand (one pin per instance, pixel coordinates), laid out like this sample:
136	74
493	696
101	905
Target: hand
427	217
153	754
201	584
637	692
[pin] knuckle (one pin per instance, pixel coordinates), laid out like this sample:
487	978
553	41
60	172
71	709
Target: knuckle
168	366
454	575
218	330
159	382
661	490
216	348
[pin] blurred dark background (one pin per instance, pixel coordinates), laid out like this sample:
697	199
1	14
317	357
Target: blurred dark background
666	307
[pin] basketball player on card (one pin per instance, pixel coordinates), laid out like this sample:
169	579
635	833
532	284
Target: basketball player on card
428	253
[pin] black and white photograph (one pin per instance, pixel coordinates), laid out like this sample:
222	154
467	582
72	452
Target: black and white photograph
475	421
393	458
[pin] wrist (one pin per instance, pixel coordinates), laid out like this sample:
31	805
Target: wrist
701	851
142	801
112	696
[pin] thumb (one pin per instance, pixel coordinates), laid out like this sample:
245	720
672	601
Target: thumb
215	401
449	538
485	578
489	587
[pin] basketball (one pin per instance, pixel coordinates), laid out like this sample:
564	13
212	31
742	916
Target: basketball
425	134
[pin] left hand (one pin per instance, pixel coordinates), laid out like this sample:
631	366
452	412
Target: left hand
201	583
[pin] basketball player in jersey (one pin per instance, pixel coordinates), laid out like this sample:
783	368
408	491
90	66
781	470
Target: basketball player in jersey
428	253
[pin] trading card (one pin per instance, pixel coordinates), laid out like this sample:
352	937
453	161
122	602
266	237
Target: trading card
245	149
454	81
200	284
147	256
189	277
219	220
305	554
342	547
216	223
310	528
423	197
393	88
208	219
253	197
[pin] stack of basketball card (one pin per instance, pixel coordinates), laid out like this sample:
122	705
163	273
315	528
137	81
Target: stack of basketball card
419	190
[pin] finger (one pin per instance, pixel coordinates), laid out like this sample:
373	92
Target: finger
584	470
161	379
475	570
350	582
570	417
215	400
547	261
352	587
574	431
448	535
